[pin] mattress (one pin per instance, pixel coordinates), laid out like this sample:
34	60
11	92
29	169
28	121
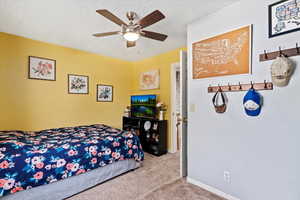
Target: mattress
73	185
32	159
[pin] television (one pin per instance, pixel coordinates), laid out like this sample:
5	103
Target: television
143	106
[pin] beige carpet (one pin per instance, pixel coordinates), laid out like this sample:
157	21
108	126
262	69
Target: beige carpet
180	190
158	179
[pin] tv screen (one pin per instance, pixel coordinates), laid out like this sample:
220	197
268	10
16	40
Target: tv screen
143	106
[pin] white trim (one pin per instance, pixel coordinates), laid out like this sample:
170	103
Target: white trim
171	151
211	189
174	68
183	112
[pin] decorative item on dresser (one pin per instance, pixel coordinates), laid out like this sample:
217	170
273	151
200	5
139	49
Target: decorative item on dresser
162	108
152	133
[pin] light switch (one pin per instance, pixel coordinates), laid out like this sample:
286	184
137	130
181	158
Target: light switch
192	107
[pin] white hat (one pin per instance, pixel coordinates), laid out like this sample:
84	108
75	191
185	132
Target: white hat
281	71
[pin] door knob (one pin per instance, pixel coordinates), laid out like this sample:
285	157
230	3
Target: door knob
182	119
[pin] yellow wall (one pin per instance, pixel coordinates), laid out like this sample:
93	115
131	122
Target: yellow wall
35	104
28	104
163	63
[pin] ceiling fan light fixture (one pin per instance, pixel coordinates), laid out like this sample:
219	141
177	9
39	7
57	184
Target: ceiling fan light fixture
133	30
131	36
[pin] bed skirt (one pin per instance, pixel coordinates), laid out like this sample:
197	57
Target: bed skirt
73	185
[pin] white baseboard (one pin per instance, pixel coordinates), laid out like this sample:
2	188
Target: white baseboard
171	151
211	189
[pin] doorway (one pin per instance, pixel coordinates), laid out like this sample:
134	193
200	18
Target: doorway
179	110
175	106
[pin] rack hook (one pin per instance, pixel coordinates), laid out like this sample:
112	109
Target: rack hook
265	82
210	88
266	55
240	86
252	86
297	48
220	89
280	52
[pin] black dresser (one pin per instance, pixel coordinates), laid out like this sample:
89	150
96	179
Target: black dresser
152	133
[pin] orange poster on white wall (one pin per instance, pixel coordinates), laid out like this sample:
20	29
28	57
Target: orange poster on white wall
226	54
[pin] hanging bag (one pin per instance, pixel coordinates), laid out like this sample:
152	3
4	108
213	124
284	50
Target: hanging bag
222	107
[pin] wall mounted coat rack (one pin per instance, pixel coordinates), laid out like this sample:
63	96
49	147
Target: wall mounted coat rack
286	52
241	87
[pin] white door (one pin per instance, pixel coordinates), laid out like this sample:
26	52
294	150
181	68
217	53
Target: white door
183	111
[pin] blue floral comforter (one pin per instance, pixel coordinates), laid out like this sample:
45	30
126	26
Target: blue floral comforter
30	159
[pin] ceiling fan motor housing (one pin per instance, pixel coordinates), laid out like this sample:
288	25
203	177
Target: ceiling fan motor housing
131	15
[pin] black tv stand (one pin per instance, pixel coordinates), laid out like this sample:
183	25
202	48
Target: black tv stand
152	133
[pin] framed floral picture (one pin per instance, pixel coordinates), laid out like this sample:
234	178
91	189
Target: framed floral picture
104	93
284	17
41	68
78	84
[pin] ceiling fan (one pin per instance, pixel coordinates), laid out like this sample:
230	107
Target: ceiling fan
132	31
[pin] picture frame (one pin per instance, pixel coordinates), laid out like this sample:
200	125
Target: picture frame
41	68
284	17
78	84
150	80
105	93
224	54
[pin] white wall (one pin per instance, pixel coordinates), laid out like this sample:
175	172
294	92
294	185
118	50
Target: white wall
262	154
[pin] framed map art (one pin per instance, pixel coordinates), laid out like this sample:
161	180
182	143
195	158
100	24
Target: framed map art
226	54
284	17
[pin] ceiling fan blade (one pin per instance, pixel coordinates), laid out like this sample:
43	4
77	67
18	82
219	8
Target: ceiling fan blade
150	19
105	34
111	17
154	35
130	44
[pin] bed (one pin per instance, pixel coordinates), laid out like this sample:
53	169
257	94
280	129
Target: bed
64	161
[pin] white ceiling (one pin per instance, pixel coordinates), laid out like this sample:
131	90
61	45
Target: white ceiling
71	23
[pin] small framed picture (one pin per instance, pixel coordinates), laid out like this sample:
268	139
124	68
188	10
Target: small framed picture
41	68
149	80
284	17
78	84
104	93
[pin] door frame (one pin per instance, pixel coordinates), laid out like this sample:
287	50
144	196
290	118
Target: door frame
183	114
183	142
175	67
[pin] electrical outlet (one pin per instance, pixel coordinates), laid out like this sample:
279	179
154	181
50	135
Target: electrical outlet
227	176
